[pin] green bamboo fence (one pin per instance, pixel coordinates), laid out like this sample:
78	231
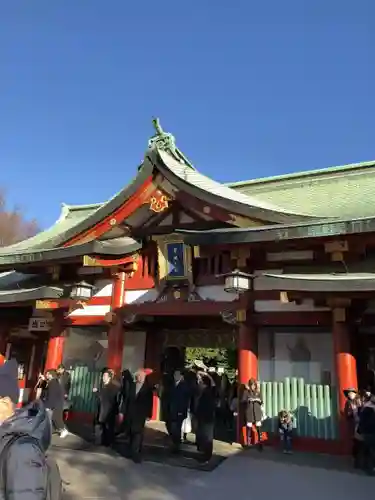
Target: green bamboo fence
83	382
314	407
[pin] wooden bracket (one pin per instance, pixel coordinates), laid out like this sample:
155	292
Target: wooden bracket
240	255
284	297
45	305
339	315
336	249
89	261
241	315
339	302
55	272
110	318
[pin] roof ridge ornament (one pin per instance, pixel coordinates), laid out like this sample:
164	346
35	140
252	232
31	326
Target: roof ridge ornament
167	142
162	140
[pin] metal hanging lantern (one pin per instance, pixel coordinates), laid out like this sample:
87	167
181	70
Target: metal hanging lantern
81	291
237	282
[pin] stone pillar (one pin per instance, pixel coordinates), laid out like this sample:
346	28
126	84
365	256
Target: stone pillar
55	349
116	329
247	365
345	364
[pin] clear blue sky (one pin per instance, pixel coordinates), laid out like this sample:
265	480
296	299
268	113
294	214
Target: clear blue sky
248	88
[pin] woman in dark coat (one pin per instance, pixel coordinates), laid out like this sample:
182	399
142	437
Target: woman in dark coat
205	407
107	408
252	405
138	411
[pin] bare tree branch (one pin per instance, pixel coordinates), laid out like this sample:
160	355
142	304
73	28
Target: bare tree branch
14	226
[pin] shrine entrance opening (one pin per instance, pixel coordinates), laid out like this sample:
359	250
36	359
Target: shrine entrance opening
215	347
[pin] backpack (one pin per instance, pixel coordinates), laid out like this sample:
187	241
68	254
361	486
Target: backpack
54	488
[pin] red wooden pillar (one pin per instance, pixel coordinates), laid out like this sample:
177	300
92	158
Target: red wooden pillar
116	329
346	369
247	365
55	349
153	353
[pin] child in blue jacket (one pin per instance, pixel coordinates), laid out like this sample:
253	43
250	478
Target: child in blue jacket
286	430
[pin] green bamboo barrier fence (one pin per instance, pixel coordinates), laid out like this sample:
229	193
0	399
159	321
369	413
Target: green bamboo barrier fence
83	382
314	407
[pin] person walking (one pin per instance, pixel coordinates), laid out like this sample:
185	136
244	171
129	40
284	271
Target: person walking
25	436
54	402
139	409
107	409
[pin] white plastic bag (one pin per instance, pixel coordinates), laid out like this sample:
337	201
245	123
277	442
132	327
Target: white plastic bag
186	424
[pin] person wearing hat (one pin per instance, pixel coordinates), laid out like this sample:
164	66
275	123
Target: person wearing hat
351	411
25	435
352	404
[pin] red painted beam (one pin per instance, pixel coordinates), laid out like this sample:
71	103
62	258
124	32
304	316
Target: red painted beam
179	308
70	304
84	321
141	196
120	261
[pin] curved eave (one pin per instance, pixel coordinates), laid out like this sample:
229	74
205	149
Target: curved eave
116	247
319	229
66	229
328	283
212	192
30	294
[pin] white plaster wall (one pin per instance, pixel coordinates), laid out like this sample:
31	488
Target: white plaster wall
86	346
140	296
318	346
104	288
133	356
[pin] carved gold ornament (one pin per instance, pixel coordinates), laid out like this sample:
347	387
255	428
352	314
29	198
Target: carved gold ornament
159	202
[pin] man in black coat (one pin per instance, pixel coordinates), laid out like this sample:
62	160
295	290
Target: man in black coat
204	413
107	407
139	409
54	402
64	379
25	471
178	405
66	383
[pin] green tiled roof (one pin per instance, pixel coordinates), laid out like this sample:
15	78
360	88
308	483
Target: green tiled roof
345	192
71	215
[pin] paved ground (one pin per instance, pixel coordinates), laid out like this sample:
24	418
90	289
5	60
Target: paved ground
99	476
156	446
